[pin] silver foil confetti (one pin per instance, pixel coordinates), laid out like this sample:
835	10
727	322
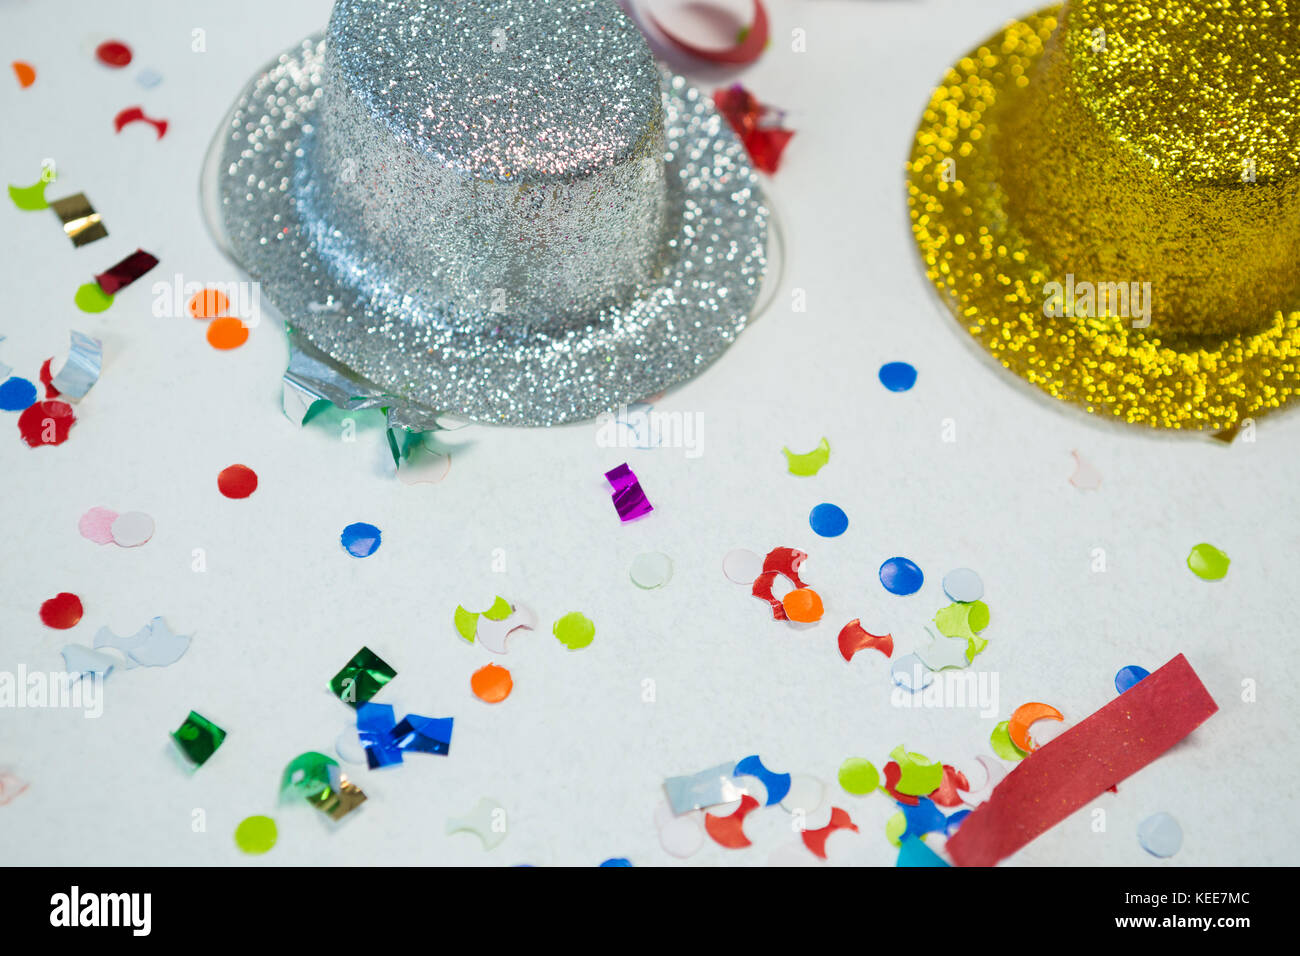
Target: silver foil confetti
81	369
508	211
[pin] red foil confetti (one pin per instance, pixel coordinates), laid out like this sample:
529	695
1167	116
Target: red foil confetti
784	562
945	795
758	126
854	637
629	500
61	611
237	481
1068	772
46	423
47	379
113	53
749	47
892	774
125	272
134	114
815	840
729	831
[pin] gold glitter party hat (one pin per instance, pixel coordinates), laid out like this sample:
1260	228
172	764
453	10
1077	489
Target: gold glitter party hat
1107	195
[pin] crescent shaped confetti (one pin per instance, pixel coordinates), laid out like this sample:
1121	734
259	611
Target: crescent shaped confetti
918	774
134	114
1022	717
30	198
750	42
854	637
729	831
777	785
809	463
815	840
1084	762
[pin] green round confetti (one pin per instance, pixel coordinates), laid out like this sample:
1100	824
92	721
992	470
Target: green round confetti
1002	745
858	776
255	834
895	828
918	775
1207	562
574	630
978	618
91	298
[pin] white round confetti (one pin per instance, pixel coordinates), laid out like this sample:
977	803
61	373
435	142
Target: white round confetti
742	566
1160	835
963	585
911	674
805	794
682	836
349	747
132	529
651	570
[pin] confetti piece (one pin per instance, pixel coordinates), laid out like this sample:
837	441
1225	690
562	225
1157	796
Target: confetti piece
82	660
154	645
1025	715
16	394
132	529
487	820
1085	477
1160	835
1207	562
97	525
491	684
574	631
360	539
629	500
349	746
148	78
423	465
708	788
919	774
742	566
780	562
46	423
901	576
805	796
307	776
361	678
1112	744
198	738
208	304
947	793
81	368
898	377
913	852
30	198
808	463
828	520
81	223
962	620
61	611
803	605
238	481
943	652
24	72
895	827
729	831
375	724
11	785
341	800
993	774
777	785
1126	677
651	570
859	776
815	840
854	637
922	817
255	835
963	585
680	836
430	735
134	114
1002	744
910	674
119	276
113	53
91	298
617	861
492	634
757	125
227	333
750	40
955	821
892	774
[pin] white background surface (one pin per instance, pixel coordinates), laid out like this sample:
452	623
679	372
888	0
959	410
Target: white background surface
575	755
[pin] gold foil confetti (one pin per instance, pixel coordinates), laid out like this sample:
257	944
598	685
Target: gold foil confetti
80	221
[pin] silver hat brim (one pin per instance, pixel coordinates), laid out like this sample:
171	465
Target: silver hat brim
716	257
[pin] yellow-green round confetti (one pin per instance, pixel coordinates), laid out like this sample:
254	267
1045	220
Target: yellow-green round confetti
1002	745
895	828
255	834
979	616
918	775
1207	562
858	776
574	630
91	298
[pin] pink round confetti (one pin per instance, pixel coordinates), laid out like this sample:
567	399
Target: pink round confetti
97	525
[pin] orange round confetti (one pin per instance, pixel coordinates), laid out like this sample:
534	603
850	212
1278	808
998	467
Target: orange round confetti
491	683
803	605
25	72
227	333
209	304
1022	717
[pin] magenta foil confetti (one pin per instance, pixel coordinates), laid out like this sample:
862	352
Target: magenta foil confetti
127	271
629	500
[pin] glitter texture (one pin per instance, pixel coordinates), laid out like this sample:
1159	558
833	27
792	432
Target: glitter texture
503	210
1125	143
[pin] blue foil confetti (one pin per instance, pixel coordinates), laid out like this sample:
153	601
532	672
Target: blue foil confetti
429	735
360	539
828	520
897	376
923	818
1126	677
912	852
777	785
17	394
901	576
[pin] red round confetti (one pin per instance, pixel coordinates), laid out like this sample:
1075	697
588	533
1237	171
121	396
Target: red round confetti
113	53
46	423
61	611
237	481
47	379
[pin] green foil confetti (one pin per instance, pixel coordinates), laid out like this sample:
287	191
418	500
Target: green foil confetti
309	776
361	678
1000	740
917	774
1207	562
198	738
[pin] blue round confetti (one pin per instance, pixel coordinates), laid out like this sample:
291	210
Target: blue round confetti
360	540
16	394
1126	677
897	376
828	520
901	576
617	861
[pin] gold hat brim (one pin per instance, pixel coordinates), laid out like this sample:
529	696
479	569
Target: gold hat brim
987	271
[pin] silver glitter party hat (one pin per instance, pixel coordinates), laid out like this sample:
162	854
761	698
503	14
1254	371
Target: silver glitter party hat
499	209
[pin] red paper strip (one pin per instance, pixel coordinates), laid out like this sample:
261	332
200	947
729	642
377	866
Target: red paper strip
125	272
1084	762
